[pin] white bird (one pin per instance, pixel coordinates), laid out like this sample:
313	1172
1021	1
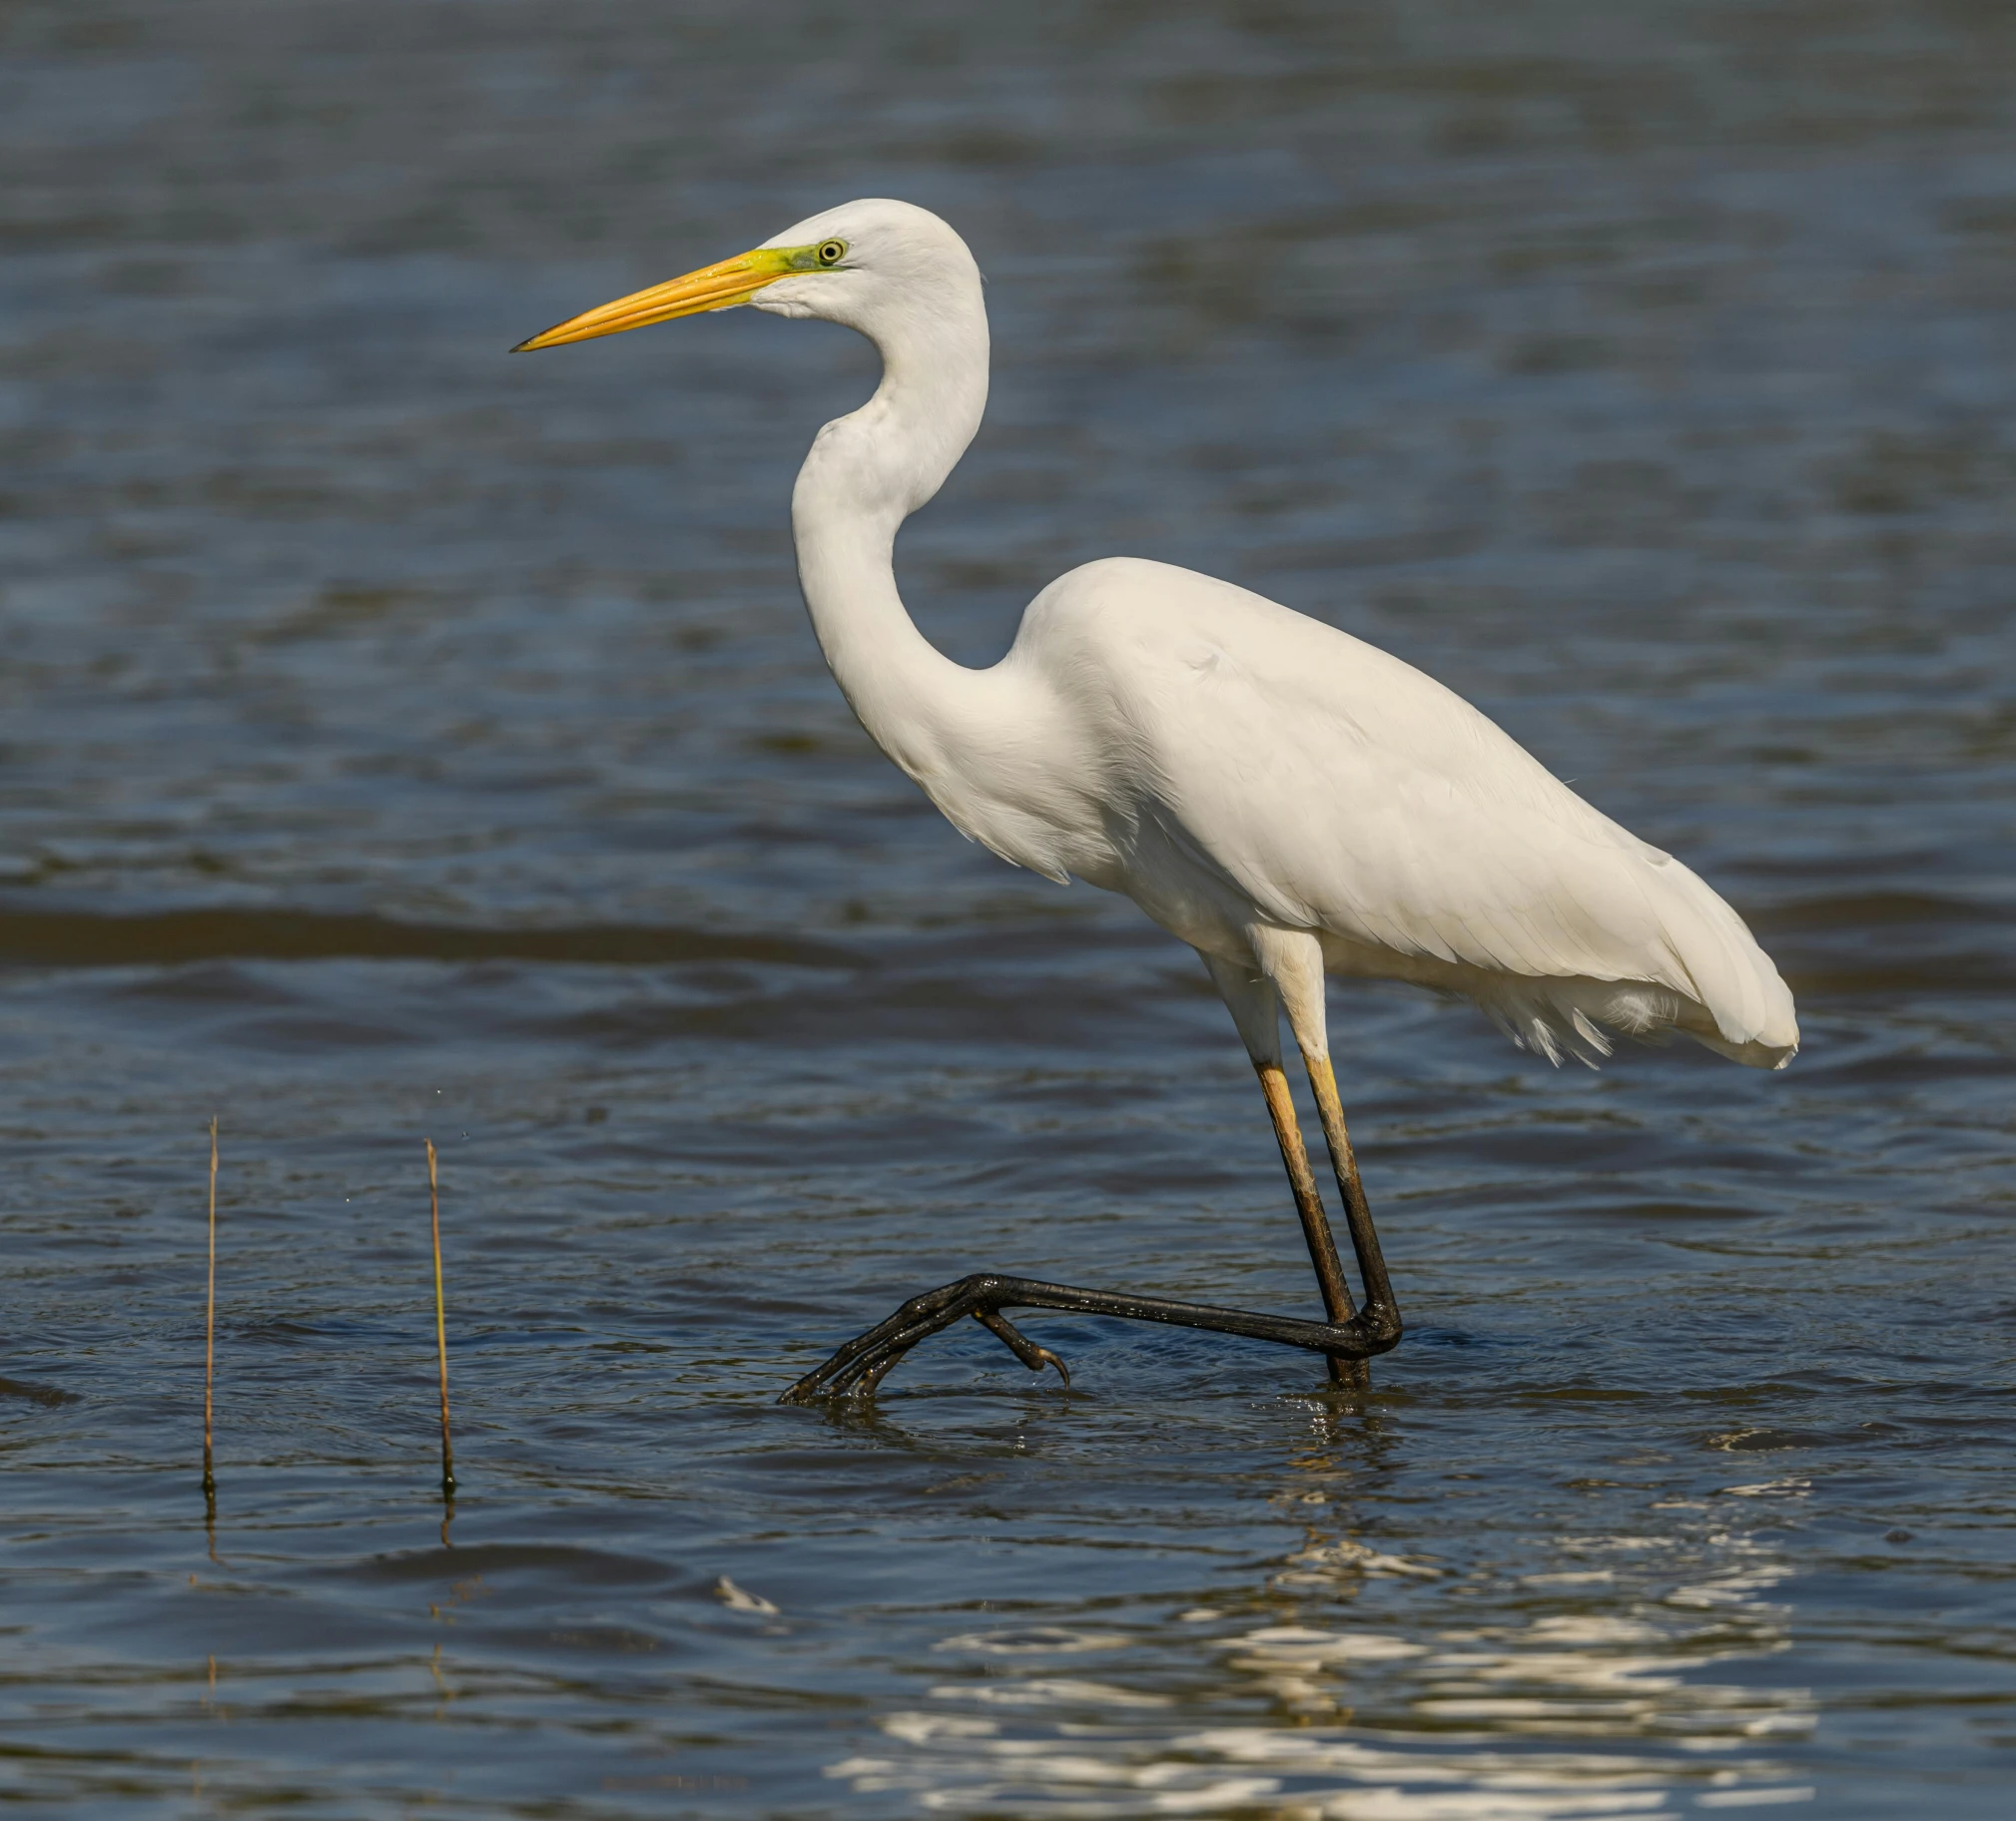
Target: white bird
1288	799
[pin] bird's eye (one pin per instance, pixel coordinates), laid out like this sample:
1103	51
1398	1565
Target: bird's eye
830	253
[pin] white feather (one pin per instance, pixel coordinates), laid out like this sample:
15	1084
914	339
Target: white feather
1237	769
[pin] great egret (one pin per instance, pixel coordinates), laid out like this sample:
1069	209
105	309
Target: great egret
1286	799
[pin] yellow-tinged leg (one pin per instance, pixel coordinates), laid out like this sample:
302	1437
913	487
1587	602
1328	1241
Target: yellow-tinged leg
1310	1206
1382	1313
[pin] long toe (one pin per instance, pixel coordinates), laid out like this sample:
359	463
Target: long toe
1025	1350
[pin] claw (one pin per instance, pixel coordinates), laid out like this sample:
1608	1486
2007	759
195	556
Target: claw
1025	1350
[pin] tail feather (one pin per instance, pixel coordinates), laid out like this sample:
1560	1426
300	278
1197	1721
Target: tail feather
1558	1019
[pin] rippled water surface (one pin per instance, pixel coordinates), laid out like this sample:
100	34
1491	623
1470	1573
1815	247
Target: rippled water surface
402	741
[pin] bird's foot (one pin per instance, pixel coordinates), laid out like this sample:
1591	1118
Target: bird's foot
1025	1350
859	1366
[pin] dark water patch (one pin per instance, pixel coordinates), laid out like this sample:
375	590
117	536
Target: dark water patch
476	1565
279	1330
1865	912
170	939
50	1396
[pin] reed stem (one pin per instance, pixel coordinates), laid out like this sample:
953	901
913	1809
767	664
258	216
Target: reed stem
209	1323
440	1327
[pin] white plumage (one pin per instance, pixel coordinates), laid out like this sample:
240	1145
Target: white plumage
1291	801
1255	765
1227	763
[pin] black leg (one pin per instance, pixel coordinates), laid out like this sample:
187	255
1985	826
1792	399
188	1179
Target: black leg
1382	1312
1315	1222
861	1364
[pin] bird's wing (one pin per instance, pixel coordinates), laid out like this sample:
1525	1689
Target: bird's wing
1340	789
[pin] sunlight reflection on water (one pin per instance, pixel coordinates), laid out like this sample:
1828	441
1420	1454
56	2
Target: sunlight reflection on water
1448	1703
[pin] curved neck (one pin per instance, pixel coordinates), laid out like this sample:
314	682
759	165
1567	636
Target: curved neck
866	474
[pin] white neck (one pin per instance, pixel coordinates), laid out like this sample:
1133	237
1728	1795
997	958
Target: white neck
866	474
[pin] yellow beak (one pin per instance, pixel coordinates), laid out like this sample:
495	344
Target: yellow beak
719	287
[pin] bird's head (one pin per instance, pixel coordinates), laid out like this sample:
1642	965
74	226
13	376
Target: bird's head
858	263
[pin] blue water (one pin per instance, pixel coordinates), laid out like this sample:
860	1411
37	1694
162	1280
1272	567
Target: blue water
402	741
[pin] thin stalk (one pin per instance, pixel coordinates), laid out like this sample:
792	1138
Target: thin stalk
209	1324
440	1328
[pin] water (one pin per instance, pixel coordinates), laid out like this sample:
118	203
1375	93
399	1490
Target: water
404	740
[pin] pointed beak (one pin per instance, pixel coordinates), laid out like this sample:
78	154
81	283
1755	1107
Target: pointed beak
719	287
